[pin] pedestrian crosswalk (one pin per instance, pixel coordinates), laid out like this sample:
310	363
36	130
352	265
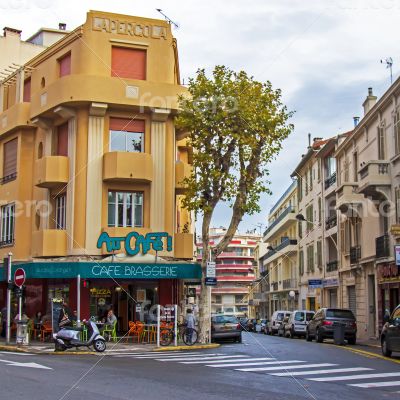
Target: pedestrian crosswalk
358	377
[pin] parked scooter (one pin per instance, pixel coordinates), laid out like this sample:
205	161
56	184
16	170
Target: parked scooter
66	338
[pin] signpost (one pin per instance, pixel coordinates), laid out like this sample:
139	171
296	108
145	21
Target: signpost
211	279
19	277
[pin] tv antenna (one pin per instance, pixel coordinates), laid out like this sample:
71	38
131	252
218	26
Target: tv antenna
389	64
169	20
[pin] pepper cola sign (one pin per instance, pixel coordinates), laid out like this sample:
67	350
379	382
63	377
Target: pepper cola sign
129	28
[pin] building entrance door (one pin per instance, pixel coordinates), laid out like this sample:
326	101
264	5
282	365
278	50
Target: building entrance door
351	293
371	306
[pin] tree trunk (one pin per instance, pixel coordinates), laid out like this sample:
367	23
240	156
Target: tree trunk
204	312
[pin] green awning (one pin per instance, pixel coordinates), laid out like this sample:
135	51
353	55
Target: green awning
102	270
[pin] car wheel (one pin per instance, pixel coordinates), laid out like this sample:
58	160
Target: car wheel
385	351
352	340
292	334
308	336
239	339
318	337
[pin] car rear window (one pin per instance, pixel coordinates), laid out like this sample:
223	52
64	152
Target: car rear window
339	314
222	319
280	316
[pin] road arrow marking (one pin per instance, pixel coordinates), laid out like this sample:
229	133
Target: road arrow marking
27	365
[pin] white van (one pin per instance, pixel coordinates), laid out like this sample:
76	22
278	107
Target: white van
276	321
297	323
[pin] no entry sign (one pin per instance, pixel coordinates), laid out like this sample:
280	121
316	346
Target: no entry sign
19	277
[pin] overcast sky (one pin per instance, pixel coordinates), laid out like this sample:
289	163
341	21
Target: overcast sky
323	54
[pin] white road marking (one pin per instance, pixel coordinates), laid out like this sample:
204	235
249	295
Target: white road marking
199	358
227	361
17	354
180	355
375	384
27	365
286	367
256	363
324	371
354	377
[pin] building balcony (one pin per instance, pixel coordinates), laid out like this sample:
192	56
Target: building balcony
282	222
331	222
49	243
119	166
289	284
347	195
382	246
232	254
332	266
374	175
51	171
183	245
355	254
182	171
330	181
15	117
287	245
274	286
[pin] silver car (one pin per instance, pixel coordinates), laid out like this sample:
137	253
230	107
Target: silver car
226	327
276	321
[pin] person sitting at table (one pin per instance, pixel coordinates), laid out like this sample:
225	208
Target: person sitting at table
111	319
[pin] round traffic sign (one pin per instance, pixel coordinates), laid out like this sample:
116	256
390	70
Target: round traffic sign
19	277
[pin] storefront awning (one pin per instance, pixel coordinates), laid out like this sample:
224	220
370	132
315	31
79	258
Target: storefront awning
102	270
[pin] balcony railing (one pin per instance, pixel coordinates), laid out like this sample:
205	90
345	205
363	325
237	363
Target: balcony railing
8	178
330	181
332	266
281	246
289	284
331	222
288	210
355	254
382	246
274	286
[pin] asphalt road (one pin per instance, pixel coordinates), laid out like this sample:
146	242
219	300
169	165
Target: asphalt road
262	367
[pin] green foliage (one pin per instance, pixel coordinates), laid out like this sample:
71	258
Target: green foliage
236	127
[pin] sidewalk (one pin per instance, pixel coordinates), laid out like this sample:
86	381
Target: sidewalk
37	347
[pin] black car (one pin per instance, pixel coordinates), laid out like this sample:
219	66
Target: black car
390	336
322	325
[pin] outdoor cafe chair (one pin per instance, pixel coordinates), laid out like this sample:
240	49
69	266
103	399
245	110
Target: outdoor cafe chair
111	330
46	330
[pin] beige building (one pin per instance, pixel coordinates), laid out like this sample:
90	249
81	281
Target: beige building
280	262
368	197
16	52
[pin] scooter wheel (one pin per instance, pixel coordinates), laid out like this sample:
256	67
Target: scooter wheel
99	345
59	347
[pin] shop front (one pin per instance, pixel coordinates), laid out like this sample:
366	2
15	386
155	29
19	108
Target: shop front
132	290
330	292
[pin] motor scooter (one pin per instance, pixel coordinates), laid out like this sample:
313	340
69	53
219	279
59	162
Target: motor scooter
68	337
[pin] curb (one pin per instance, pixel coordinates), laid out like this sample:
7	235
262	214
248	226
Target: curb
194	347
17	349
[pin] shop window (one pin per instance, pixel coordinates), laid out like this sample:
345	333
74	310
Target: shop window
62	140
10	160
64	64
27	90
61	207
7	224
128	63
126	135
125	209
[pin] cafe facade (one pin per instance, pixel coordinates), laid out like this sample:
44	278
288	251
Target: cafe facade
92	169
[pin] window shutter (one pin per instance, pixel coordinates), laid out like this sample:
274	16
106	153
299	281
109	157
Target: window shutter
127	125
27	90
62	140
10	157
65	65
128	63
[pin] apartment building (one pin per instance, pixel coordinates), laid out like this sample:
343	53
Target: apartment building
280	262
15	52
234	272
92	168
368	198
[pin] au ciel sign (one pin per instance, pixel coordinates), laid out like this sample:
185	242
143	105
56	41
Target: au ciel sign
136	243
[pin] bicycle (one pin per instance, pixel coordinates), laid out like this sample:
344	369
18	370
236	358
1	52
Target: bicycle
188	335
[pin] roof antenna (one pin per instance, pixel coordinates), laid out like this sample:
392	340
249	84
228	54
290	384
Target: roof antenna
169	20
389	64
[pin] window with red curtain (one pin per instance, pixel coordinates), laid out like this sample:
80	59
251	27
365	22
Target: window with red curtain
65	65
128	63
27	90
127	135
62	140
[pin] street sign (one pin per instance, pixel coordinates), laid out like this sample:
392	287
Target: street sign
210	270
315	283
19	277
211	281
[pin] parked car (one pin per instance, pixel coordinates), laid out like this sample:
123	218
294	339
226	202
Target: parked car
251	325
243	323
226	327
390	336
276	320
322	325
260	327
297	323
282	326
